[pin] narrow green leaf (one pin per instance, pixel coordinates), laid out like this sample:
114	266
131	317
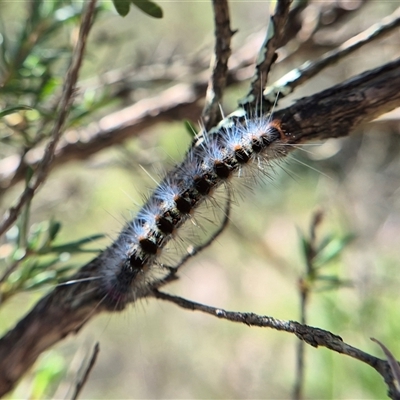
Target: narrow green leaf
304	244
88	239
324	243
73	247
122	7
55	227
35	237
19	254
333	250
40	279
149	8
331	283
65	270
48	87
29	174
12	110
38	265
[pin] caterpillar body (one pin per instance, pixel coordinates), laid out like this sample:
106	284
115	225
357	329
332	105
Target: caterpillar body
132	261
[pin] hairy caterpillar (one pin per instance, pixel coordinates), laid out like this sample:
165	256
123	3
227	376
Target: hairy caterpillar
237	143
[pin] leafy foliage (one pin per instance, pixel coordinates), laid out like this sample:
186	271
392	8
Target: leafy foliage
148	7
32	71
319	256
34	260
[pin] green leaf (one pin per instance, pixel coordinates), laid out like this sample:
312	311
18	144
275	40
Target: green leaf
331	282
304	244
50	371
73	247
332	250
54	228
12	110
122	7
324	243
35	236
40	279
48	87
29	174
149	8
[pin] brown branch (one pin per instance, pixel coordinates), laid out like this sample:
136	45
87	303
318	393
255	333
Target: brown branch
267	55
176	103
217	82
289	82
337	111
64	311
66	98
81	383
332	113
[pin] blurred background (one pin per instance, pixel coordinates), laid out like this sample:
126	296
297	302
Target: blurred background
153	349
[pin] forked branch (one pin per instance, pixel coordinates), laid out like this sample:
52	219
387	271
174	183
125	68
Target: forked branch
332	113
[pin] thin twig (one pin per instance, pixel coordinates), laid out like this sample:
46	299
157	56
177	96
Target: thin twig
81	383
222	52
393	363
66	98
305	283
306	18
286	85
313	336
267	55
196	250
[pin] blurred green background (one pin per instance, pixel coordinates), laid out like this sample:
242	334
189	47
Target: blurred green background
154	349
